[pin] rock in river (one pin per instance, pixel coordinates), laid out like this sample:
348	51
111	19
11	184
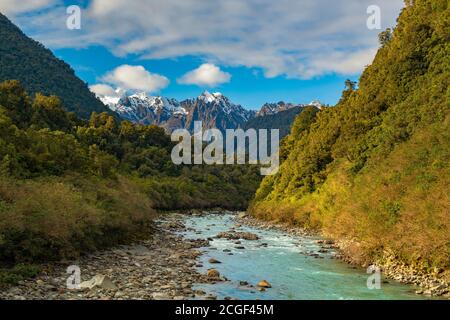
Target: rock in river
213	274
237	235
264	284
212	260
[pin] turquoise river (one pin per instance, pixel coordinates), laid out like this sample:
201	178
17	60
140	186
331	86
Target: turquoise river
283	263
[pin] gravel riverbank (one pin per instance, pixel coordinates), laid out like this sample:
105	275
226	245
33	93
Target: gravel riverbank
162	267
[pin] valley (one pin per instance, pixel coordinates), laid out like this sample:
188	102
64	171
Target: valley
90	178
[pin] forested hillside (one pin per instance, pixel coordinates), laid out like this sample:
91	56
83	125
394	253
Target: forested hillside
69	186
375	168
39	71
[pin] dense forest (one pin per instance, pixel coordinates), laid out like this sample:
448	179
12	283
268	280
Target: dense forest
375	168
69	185
39	71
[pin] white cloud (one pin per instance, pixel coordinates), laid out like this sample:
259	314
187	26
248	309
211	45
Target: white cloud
300	39
101	89
207	74
12	7
135	78
340	62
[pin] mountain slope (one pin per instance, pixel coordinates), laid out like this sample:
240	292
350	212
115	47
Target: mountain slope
278	116
215	111
26	60
374	169
269	109
281	120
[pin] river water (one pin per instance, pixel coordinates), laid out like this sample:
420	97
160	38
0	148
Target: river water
284	264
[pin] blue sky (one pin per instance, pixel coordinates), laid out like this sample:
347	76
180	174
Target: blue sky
247	86
253	51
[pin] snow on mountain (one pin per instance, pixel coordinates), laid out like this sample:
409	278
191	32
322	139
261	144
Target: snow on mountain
316	103
215	111
224	104
144	109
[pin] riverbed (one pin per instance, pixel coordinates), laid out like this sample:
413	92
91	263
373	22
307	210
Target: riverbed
297	267
173	264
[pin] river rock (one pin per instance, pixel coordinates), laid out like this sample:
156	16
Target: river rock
248	236
161	296
40	282
242	215
100	281
237	236
213	274
265	245
264	284
212	260
199	292
195	212
139	250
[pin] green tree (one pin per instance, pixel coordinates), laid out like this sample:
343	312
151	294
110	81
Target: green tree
385	36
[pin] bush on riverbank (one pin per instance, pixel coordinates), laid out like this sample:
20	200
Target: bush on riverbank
12	276
55	218
227	187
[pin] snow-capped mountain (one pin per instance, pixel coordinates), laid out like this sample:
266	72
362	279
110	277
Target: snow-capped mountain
214	109
144	109
316	103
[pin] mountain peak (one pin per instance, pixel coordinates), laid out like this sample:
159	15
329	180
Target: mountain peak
140	95
274	108
316	103
210	97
